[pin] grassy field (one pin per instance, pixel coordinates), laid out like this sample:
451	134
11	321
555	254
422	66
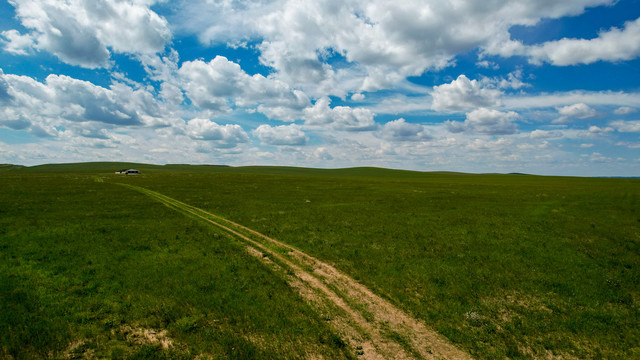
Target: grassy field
510	266
91	269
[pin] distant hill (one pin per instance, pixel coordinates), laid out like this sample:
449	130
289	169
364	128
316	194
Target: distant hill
359	172
5	167
89	167
108	167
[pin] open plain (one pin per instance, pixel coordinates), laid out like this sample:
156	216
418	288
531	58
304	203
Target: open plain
272	262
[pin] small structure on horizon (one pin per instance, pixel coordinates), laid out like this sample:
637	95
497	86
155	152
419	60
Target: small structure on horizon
128	172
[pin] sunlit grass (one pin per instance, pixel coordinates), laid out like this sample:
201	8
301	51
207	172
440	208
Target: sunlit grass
549	265
84	264
503	265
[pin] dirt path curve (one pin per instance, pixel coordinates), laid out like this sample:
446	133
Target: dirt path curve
372	326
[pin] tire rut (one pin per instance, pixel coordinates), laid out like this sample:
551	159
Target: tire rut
373	327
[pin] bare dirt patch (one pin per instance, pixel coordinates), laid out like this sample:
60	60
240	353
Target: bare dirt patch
76	350
142	336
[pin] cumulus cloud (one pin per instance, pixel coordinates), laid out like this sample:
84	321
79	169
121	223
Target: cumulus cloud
624	110
463	94
4	88
513	81
347	49
222	22
400	130
497	145
83	32
492	122
613	45
626	126
340	117
381	42
228	135
580	111
76	105
596	130
322	153
11	119
220	84
485	64
211	85
160	67
17	43
568	98
281	135
545	134
486	121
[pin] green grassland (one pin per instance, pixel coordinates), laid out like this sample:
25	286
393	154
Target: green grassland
513	266
84	265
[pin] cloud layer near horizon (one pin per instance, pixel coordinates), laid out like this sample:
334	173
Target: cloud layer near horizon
426	85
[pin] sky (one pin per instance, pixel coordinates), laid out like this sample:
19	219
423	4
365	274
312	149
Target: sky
543	86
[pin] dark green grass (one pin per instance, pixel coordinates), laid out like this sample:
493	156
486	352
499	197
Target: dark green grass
503	265
83	261
5	167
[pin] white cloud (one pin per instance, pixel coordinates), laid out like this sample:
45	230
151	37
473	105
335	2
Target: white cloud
322	153
340	117
220	84
62	102
320	113
624	110
397	104
485	64
486	121
83	32
347	49
221	22
592	98
596	130
497	145
463	94
580	111
626	126
545	134
562	120
11	119
160	68
16	43
513	81
4	88
591	132
171	94
281	135
382	42
223	135
629	145
612	45
400	130
598	157
492	122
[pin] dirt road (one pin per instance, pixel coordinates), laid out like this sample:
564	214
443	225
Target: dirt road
372	326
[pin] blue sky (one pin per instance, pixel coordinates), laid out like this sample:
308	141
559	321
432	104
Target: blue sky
541	87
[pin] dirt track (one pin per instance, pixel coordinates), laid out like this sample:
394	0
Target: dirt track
372	326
